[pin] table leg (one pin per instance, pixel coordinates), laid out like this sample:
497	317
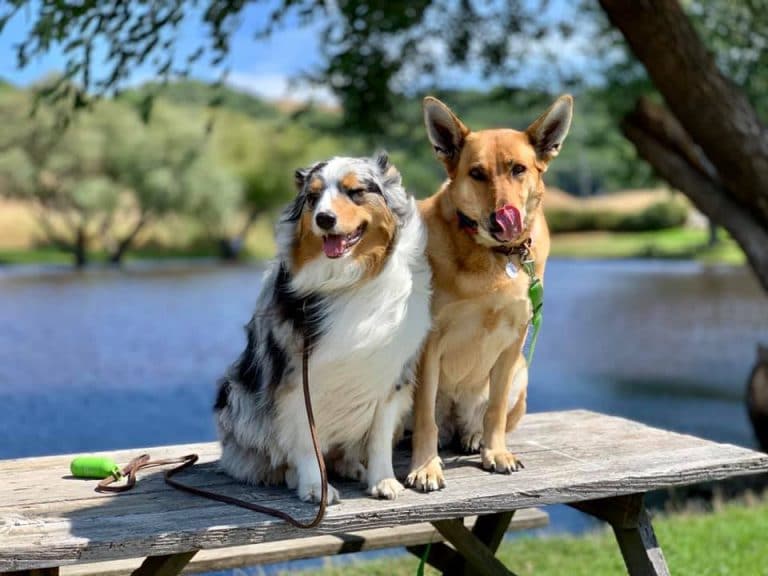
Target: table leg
634	532
166	565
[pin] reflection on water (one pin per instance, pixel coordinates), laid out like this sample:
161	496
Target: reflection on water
107	360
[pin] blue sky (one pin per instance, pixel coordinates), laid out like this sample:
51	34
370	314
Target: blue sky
260	66
255	64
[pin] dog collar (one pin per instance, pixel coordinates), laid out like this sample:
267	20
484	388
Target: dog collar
523	249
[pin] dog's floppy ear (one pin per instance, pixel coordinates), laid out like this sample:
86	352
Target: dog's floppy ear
445	131
549	130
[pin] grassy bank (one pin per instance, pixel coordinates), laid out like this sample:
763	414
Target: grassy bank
731	541
675	243
679	243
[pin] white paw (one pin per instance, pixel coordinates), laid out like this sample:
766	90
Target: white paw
388	489
312	493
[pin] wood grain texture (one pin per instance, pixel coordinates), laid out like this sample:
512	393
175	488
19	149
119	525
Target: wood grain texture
312	547
48	519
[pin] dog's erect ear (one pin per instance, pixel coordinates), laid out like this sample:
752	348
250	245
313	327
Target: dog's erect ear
382	161
549	130
445	131
389	173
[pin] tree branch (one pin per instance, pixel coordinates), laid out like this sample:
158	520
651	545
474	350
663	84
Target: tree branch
662	142
714	111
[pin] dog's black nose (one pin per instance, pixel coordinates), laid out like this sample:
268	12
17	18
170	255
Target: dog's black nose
325	220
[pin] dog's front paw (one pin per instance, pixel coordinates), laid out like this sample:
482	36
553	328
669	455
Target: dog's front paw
501	461
428	477
388	489
313	492
470	442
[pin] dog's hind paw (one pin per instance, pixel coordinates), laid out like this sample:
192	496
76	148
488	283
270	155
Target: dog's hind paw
470	443
352	469
428	477
388	489
501	461
313	492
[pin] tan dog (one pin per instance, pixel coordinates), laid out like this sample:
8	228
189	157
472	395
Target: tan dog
472	375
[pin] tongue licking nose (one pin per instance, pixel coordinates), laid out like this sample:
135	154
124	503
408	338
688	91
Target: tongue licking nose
508	219
334	245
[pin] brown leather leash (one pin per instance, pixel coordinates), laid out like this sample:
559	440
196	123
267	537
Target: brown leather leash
143	462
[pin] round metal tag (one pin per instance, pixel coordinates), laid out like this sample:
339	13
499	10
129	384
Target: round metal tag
511	269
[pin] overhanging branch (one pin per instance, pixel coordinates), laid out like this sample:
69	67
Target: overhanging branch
664	145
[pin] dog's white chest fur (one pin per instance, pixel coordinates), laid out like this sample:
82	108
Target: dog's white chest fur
371	335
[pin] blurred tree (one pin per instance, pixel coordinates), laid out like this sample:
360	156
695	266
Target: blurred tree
264	155
62	174
108	175
709	142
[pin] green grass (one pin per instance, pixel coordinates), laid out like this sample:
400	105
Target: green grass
732	541
677	243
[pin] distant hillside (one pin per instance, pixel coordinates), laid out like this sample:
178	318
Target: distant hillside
196	93
596	157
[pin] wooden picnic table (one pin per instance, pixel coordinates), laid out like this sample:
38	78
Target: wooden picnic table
599	464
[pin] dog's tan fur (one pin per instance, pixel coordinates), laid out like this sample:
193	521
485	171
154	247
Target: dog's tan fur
472	375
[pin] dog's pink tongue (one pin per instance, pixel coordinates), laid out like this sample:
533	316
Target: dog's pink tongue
333	245
508	219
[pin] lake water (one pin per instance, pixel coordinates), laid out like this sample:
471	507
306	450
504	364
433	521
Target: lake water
107	359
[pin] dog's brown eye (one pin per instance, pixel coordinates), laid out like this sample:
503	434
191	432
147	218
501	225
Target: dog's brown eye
312	199
518	169
477	174
355	194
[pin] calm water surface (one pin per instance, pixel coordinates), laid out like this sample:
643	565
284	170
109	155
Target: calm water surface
107	360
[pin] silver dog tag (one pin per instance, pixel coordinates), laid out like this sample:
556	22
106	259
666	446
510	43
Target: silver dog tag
511	269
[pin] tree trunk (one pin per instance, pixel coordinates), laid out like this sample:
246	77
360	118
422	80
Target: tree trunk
713	239
80	248
710	108
231	248
662	142
116	257
714	149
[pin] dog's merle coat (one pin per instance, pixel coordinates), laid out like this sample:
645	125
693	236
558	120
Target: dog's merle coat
364	337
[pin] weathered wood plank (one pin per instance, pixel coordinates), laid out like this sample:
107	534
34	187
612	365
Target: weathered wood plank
28	481
569	457
34	572
312	547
